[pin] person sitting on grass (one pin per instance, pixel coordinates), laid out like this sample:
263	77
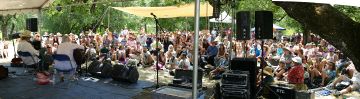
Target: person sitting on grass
280	70
295	75
328	74
184	62
352	73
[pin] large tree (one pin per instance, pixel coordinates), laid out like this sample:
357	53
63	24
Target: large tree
329	23
4	24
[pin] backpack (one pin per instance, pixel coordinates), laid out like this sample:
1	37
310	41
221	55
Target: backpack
4	72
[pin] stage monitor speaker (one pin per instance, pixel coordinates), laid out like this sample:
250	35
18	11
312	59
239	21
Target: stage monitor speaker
243	25
263	25
32	24
247	64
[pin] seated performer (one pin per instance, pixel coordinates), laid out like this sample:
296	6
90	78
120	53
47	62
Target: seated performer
67	48
24	45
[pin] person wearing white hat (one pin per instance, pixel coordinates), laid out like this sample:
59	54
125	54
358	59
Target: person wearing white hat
25	46
296	74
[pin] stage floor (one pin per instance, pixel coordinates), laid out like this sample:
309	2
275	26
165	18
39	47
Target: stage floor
24	87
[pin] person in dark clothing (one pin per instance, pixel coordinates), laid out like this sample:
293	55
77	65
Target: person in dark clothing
212	51
148	42
166	44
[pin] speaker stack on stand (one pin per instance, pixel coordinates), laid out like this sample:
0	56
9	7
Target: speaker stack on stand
263	25
32	24
240	81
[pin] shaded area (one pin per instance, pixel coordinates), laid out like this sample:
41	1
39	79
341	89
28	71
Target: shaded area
329	23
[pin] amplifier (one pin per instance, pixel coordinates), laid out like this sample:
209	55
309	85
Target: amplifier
240	94
235	84
168	92
290	93
239	78
282	91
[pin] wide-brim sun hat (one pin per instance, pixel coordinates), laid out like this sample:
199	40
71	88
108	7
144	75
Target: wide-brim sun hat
25	33
268	71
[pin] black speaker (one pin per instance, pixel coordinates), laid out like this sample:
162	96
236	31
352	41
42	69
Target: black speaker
32	24
247	64
185	78
216	8
263	25
243	25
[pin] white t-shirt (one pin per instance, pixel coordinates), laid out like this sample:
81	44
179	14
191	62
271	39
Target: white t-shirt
25	46
67	48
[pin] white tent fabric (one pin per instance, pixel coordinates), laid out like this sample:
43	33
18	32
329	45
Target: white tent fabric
275	27
223	18
22	6
331	2
169	11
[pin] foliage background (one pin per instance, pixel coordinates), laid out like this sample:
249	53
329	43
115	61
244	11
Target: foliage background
81	15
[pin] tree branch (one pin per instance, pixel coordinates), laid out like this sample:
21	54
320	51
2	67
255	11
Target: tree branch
329	23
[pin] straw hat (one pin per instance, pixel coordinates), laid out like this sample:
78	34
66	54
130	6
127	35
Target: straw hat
26	33
58	34
268	71
217	39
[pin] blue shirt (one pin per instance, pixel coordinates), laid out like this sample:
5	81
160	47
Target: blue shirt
212	50
279	51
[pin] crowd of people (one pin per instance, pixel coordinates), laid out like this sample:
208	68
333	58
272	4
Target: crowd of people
311	65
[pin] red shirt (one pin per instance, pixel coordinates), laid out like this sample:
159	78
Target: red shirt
296	75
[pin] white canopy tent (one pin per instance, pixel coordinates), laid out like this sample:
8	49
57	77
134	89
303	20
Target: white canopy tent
223	18
22	6
331	2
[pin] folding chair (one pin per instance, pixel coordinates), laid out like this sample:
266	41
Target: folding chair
62	58
26	54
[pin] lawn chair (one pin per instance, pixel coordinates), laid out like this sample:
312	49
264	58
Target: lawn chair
64	69
27	54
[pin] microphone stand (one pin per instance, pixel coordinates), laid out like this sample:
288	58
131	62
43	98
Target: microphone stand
157	27
156	49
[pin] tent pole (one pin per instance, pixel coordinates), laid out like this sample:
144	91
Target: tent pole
196	49
233	27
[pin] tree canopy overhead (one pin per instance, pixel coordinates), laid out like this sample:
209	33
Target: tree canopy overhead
329	23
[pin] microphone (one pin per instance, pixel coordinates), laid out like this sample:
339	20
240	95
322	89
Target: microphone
153	14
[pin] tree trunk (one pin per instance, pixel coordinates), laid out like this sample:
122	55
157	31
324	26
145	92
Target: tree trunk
4	30
306	34
330	24
4	22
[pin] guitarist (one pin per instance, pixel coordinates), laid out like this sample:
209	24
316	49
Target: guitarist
24	45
